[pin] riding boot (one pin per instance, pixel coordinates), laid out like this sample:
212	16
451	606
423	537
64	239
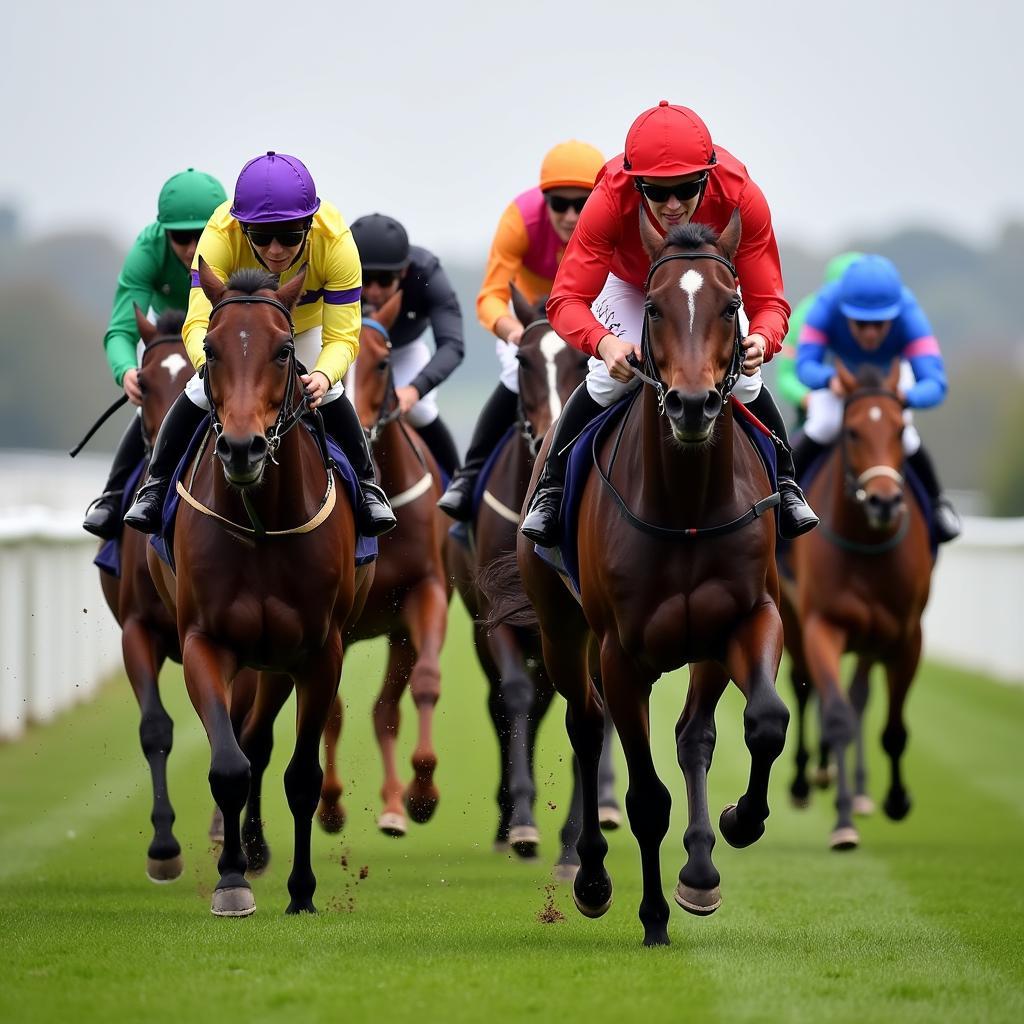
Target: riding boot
947	522
541	521
103	517
496	417
795	515
439	440
177	430
805	453
374	515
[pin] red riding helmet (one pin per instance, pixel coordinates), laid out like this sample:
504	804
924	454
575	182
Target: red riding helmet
668	141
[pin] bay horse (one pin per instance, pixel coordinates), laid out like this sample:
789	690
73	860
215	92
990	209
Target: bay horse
860	585
677	566
510	656
265	569
408	601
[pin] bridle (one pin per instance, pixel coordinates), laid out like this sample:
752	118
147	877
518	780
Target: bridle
526	432
167	339
647	370
390	410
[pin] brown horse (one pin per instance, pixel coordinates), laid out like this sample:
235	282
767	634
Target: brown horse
266	574
520	691
408	601
676	567
860	584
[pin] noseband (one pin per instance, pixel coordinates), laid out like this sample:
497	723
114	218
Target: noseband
647	370
855	485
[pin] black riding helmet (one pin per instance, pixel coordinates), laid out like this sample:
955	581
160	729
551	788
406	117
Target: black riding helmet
382	242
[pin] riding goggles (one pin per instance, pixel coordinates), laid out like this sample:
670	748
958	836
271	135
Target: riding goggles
562	204
264	235
661	193
383	278
185	236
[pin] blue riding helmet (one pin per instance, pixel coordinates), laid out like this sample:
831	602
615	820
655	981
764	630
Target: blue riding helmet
871	289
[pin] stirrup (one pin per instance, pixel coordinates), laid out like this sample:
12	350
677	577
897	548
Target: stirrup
541	521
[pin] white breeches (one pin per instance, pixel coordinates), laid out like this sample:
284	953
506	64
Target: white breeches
506	354
406	362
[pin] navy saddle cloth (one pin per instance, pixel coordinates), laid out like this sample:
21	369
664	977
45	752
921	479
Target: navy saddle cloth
460	531
109	557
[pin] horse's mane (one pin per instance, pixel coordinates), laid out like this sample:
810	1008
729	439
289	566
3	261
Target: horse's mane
170	322
870	376
691	236
252	280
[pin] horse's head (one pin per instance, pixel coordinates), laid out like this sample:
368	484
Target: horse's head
164	367
871	441
251	377
692	338
375	390
549	369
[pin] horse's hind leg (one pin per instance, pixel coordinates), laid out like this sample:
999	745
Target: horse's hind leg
503	731
568	863
331	812
900	674
752	659
257	742
426	613
863	805
143	659
386	716
697	891
607	806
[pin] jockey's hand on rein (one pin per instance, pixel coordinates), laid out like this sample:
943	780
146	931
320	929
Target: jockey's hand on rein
615	353
754	347
316	385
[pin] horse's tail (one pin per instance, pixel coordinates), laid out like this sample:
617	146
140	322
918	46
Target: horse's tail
502	588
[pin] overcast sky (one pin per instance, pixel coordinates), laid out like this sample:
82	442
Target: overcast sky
851	116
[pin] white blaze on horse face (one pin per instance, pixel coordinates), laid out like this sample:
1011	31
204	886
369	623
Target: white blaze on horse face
174	364
244	335
550	345
691	282
874	414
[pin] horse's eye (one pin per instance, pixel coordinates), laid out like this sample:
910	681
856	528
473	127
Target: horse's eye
283	353
852	434
209	353
521	359
382	365
653	312
732	309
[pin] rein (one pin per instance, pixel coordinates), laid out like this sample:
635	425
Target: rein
525	427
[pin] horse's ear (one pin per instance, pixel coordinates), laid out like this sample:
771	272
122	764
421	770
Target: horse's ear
729	239
525	313
213	287
650	237
846	379
388	313
892	378
288	294
147	330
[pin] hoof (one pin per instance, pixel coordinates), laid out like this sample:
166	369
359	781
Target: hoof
392	824
524	840
164	871
735	836
596	899
238	901
699	902
657	937
844	838
300	907
501	846
863	805
421	804
824	777
331	817
897	806
217	826
609	817
565	872
259	861
801	803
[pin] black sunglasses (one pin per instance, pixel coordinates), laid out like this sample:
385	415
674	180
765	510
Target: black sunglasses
561	204
288	237
185	236
661	193
384	278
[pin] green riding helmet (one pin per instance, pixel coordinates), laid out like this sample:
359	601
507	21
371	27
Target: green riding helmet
188	199
836	267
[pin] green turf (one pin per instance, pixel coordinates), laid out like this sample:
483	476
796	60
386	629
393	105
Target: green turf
923	923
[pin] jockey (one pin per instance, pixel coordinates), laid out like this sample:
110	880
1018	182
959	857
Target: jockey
869	316
788	383
155	276
527	247
671	174
277	222
428	299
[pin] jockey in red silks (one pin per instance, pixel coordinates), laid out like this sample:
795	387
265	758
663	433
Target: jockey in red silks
672	174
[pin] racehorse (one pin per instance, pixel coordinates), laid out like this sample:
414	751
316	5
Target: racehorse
408	601
265	568
860	584
520	691
677	566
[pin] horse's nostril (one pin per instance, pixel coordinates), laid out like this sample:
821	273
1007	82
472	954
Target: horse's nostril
222	448
258	448
713	404
673	404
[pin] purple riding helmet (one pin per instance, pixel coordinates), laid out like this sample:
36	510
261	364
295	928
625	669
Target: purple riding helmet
273	188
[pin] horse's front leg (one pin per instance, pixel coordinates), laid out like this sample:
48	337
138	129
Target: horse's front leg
824	643
209	669
863	805
698	892
900	672
331	812
752	658
387	714
426	617
315	689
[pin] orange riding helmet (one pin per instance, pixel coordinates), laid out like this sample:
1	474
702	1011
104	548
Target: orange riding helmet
570	164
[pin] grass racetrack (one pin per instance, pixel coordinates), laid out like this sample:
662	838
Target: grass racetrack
923	923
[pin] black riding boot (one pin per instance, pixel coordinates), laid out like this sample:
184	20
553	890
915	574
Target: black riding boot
541	522
103	517
439	440
947	522
795	515
374	515
805	453
178	428
495	418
